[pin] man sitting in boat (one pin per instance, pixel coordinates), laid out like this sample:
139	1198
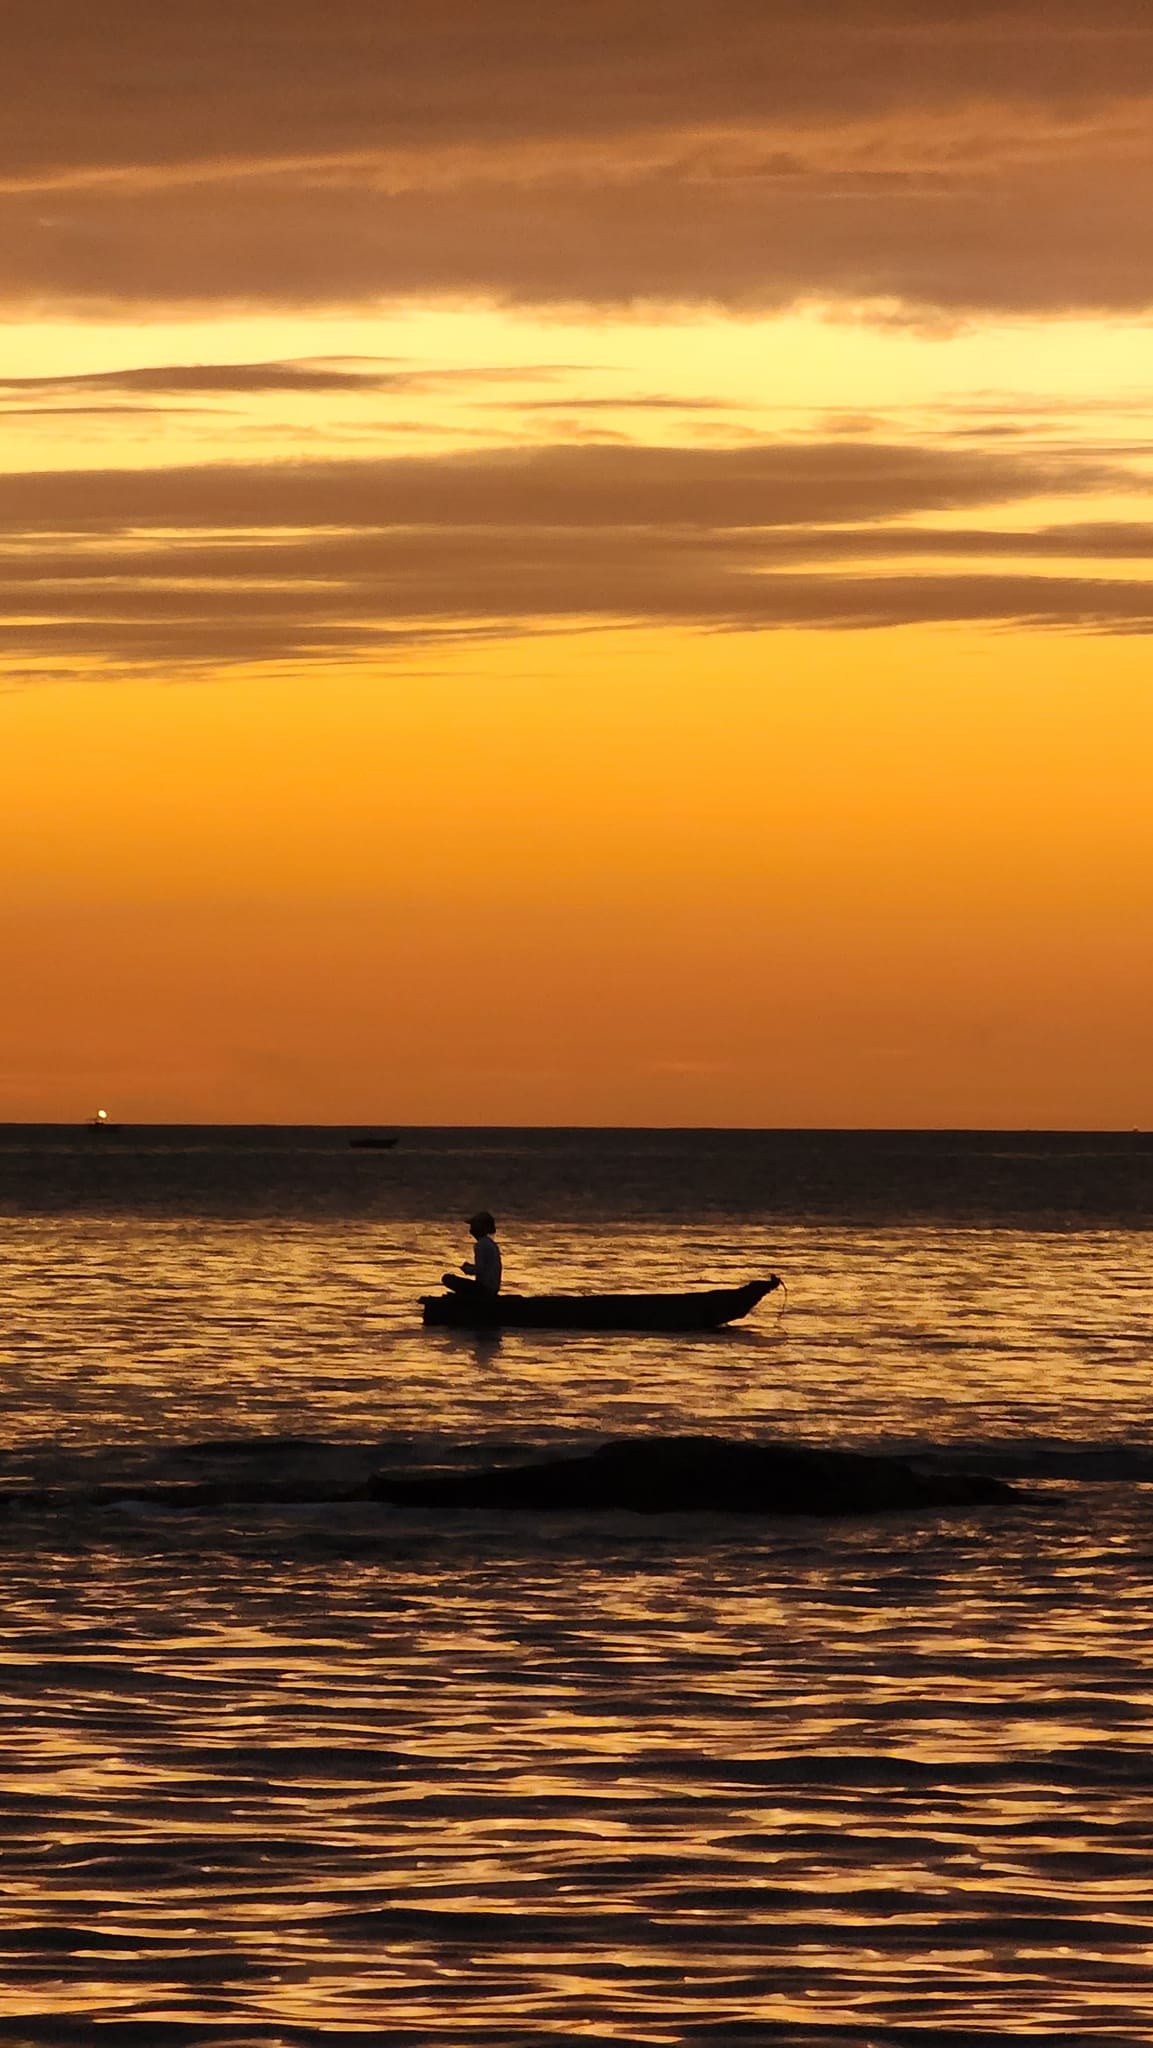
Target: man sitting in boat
485	1267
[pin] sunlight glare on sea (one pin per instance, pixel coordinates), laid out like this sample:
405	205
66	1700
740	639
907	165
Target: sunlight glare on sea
281	1767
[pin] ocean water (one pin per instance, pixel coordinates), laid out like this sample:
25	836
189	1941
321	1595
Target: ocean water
282	1767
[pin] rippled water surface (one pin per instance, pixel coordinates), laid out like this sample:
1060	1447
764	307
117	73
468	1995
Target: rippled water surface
278	1766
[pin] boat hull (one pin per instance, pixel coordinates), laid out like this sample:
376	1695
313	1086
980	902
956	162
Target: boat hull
709	1310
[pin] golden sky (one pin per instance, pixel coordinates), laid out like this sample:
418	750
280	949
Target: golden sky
577	565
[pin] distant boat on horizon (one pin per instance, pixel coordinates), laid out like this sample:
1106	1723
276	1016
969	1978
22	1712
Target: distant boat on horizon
100	1122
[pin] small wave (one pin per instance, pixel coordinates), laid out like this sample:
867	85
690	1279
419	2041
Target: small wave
1040	1458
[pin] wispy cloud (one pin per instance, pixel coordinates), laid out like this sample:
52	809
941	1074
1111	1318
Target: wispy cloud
767	483
246	378
180	569
641	402
51	411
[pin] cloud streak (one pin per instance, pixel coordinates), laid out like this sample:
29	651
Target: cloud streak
764	484
180	570
246	378
893	151
127	85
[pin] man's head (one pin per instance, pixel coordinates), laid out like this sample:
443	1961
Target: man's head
482	1224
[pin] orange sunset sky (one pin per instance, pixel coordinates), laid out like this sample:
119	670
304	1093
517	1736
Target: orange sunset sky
584	564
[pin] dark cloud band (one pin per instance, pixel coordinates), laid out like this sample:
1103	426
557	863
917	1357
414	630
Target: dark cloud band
180	570
750	154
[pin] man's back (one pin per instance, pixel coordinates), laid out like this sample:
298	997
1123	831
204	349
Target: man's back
486	1264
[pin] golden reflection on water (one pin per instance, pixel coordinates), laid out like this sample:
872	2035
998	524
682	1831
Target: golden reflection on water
291	1771
122	1330
671	1786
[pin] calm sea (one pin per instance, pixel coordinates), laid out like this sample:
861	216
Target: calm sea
284	1769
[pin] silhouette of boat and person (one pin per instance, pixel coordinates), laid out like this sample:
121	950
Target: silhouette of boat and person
473	1299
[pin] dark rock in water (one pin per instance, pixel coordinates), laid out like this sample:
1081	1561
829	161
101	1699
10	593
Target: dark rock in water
654	1475
678	1474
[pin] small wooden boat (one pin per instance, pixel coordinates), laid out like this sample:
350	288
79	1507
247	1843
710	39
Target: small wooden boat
372	1144
700	1311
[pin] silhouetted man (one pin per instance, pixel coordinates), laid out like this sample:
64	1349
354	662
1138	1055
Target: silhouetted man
485	1267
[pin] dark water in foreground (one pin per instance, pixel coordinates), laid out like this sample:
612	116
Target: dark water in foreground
317	1772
